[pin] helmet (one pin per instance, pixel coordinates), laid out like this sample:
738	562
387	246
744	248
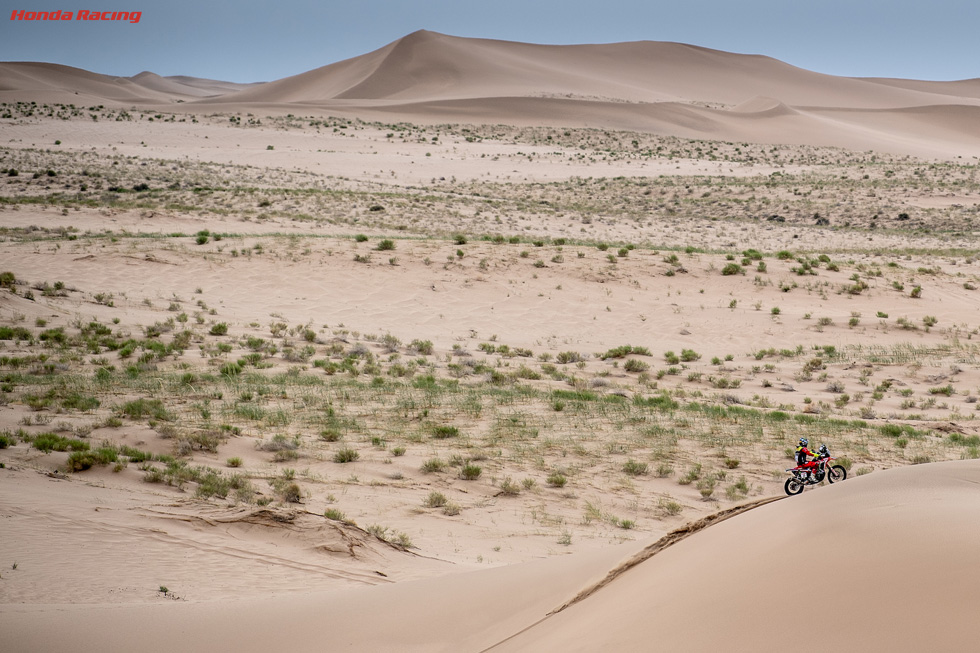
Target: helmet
823	448
804	442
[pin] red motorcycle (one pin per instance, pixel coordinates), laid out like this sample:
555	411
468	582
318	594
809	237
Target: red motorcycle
803	476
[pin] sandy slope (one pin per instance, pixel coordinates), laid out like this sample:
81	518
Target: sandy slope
875	564
859	563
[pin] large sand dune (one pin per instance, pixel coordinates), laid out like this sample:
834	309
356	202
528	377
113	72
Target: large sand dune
884	562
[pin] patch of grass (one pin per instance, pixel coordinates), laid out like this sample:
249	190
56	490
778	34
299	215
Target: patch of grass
145	408
82	460
333	514
693	474
48	442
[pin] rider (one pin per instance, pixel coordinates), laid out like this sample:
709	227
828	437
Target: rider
802	453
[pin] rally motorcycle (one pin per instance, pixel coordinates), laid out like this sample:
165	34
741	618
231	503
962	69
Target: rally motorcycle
803	476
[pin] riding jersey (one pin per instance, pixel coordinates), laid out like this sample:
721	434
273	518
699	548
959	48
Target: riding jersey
802	453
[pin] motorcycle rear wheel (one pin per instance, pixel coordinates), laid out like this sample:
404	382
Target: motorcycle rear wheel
836	473
793	486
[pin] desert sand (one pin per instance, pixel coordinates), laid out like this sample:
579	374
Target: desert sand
470	345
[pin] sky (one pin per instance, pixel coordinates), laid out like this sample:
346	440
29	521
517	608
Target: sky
252	41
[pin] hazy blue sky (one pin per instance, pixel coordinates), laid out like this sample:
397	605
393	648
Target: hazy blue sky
247	40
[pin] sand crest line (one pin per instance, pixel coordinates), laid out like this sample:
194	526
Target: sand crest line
648	552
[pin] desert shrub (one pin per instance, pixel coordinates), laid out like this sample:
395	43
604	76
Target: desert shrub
509	488
659	402
693	474
706	486
669	506
737	490
435	500
335	515
433	465
346	455
48	442
836	387
635	365
135	455
142	407
234	462
82	460
635	468
625	350
290	493
386	245
732	269
231	369
664	470
77	401
331	434
566	357
421	347
442	432
470	472
211	483
689	355
557	479
278	442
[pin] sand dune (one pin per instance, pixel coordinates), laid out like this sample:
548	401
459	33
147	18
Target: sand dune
426	66
664	88
859	563
879	563
645	86
45	82
185	87
55	83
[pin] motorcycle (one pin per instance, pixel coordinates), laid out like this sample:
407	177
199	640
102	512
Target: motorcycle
803	476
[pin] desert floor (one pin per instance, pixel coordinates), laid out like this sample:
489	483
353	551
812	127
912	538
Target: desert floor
250	358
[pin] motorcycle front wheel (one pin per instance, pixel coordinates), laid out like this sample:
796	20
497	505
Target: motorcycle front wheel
836	473
793	486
